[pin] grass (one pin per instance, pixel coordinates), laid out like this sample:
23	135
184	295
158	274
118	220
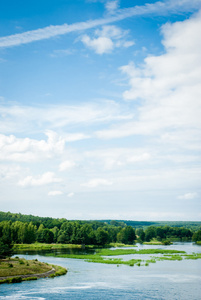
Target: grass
59	271
193	256
42	246
103	256
116	245
22	267
171	257
108	252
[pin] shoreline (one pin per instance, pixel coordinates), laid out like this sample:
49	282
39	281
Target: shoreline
19	270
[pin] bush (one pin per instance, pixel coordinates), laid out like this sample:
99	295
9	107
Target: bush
29	278
15	279
166	242
10	265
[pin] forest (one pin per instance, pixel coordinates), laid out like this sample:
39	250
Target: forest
27	229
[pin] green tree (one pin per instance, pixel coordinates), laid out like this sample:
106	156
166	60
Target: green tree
6	245
6	248
45	236
102	237
150	233
160	234
126	235
141	235
196	236
55	231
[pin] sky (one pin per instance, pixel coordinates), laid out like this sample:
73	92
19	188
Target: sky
100	109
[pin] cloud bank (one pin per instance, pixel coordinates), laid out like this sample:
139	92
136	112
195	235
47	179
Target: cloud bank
167	88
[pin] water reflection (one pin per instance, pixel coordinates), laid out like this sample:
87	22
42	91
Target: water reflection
56	251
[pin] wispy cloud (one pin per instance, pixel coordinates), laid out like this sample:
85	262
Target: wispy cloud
97	182
62	52
121	14
112	6
66	165
21	118
188	196
44	179
118	157
70	195
55	193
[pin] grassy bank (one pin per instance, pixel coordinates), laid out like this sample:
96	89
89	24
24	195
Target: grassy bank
153	243
120	245
20	269
42	246
108	252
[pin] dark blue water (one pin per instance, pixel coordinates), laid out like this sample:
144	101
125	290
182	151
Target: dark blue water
163	280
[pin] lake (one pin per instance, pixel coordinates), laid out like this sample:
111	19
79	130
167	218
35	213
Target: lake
84	280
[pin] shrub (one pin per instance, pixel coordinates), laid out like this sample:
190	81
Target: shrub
14	279
10	265
29	278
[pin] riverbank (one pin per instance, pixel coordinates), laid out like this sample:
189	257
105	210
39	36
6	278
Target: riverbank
19	269
43	246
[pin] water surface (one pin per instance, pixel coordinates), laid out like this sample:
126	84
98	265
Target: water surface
162	280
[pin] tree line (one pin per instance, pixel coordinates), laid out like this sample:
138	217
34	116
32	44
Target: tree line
49	222
94	232
70	232
27	229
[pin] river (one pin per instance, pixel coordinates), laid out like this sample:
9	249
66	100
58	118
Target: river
84	280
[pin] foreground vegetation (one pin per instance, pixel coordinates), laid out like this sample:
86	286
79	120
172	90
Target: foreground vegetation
19	269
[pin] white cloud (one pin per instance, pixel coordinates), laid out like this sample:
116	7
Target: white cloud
21	118
44	179
70	194
158	8
26	149
188	196
61	52
112	6
97	182
139	158
73	137
100	45
9	171
66	165
118	157
106	39
169	85
55	193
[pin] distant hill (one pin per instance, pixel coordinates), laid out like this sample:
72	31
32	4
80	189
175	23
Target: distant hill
143	224
49	222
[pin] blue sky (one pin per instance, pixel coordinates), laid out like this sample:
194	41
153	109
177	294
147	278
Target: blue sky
100	109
